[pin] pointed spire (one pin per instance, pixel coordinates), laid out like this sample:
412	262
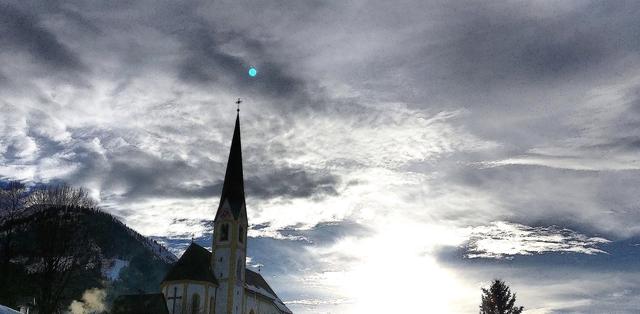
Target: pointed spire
233	188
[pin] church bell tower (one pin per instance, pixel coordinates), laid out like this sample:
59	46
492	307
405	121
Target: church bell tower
230	234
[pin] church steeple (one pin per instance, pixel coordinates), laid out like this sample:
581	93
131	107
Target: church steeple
233	187
220	282
230	226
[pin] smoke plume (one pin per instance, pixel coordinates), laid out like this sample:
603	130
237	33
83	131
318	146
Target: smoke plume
92	302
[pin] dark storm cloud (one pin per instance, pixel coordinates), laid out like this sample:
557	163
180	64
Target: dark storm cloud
622	136
501	43
139	174
489	55
600	202
328	233
4	80
206	63
22	31
291	183
628	144
495	46
149	176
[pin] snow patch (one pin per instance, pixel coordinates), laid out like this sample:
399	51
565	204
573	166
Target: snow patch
111	268
6	310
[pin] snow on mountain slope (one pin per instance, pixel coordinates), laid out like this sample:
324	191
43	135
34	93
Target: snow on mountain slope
111	268
6	310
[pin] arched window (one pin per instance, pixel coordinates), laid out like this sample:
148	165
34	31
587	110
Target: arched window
224	232
240	234
195	304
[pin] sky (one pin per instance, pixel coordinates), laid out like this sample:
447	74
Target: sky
398	155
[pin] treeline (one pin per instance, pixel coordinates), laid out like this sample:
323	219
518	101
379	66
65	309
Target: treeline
51	251
55	243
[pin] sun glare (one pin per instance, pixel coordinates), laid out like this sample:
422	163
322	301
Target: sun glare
397	274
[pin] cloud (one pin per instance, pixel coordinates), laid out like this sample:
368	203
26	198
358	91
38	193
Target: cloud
289	182
138	174
206	62
505	240
513	42
314	302
24	32
590	201
571	163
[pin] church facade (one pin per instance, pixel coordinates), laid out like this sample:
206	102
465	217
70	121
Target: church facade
206	282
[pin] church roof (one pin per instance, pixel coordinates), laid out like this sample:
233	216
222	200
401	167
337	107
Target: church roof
140	304
256	283
255	279
194	264
233	187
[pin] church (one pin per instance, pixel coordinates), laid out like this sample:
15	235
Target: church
206	282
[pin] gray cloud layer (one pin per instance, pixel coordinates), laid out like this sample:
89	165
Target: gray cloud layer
24	33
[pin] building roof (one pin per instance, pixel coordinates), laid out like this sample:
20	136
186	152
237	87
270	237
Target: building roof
140	304
255	279
233	187
256	283
194	264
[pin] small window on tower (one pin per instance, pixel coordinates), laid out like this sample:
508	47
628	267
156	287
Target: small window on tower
224	232
240	234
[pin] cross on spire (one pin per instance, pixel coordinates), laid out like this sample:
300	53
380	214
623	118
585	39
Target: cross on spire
238	102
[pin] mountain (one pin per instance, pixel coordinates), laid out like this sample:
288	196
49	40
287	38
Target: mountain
87	248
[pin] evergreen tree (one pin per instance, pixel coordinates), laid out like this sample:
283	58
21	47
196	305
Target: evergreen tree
498	299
